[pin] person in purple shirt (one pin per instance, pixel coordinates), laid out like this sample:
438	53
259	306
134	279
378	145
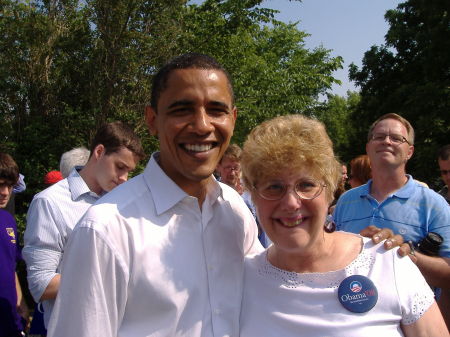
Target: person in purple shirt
12	306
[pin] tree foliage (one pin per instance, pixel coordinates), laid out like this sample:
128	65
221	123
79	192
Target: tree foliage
410	75
67	66
336	113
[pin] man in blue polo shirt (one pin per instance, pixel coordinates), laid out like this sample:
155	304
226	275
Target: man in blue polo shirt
12	306
395	200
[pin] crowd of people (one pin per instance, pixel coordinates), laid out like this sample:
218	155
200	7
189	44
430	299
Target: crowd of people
215	240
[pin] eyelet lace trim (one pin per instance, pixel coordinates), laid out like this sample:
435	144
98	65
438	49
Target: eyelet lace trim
421	302
363	262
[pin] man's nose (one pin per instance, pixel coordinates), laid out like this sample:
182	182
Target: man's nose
123	177
4	190
202	122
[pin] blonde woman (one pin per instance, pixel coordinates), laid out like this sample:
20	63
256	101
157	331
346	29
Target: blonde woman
313	281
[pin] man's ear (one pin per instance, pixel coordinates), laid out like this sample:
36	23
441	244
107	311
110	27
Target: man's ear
410	152
99	151
235	114
150	120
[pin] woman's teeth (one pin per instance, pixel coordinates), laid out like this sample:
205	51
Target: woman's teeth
293	223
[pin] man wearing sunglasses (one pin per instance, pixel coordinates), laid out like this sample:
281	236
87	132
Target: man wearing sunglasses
393	199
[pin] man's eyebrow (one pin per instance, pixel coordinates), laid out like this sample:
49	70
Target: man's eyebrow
186	102
219	104
182	102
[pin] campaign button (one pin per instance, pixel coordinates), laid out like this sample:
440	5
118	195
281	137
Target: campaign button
357	293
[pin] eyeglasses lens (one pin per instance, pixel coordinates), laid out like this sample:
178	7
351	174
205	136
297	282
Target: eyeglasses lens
396	139
304	190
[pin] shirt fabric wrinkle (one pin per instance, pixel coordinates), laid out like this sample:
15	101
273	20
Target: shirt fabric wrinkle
152	225
52	215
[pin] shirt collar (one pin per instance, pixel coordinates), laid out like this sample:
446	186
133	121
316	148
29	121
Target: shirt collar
166	193
78	186
404	192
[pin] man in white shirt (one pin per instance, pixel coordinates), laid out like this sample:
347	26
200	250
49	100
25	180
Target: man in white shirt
115	151
162	255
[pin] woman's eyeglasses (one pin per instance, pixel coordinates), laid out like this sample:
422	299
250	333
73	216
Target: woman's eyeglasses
304	189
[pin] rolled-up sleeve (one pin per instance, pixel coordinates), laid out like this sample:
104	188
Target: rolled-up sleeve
44	243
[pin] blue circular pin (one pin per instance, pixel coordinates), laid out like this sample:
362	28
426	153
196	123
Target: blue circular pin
357	293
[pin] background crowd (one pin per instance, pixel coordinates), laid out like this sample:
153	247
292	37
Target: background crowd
164	253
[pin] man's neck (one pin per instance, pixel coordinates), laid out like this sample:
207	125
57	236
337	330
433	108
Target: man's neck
87	173
385	182
198	190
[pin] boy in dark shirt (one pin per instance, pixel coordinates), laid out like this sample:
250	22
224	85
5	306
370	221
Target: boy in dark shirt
10	291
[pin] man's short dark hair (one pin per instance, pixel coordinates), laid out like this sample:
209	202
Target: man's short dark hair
185	61
444	152
9	171
116	135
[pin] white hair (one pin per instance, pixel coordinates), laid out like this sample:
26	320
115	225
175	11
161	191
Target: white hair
75	157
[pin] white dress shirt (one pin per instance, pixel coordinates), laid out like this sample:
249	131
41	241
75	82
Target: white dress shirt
51	217
146	261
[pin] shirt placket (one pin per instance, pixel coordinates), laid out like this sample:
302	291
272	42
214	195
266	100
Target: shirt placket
215	308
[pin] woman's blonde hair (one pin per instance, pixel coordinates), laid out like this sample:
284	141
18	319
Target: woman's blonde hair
293	143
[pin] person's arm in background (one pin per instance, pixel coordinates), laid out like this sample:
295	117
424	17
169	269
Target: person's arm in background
22	307
43	250
435	269
444	305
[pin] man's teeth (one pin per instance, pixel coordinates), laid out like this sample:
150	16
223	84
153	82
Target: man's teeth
293	223
198	147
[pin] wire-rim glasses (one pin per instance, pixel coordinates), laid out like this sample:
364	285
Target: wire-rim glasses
275	190
394	138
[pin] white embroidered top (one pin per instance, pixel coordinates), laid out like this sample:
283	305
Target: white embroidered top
281	303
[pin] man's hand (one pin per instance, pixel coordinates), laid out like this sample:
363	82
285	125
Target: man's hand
392	241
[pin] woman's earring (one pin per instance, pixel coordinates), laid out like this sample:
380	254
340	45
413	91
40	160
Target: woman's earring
330	226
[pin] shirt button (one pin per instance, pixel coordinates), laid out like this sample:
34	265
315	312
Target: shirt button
217	311
402	231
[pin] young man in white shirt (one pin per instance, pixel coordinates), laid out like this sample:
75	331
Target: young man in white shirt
54	212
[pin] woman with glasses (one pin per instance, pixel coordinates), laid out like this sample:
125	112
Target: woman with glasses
313	281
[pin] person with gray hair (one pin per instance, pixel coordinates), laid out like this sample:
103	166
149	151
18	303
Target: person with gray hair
78	156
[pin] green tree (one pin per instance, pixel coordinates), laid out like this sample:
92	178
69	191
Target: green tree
336	113
273	73
68	66
410	75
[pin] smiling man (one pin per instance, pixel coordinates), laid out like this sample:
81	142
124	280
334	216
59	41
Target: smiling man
162	255
393	199
54	212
